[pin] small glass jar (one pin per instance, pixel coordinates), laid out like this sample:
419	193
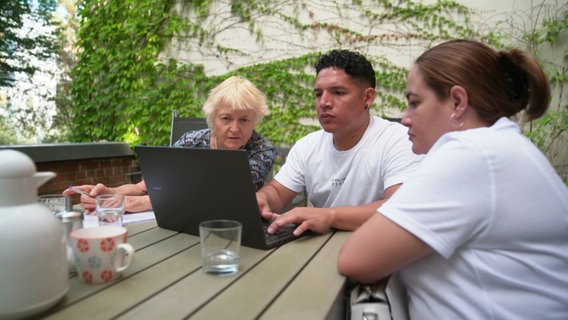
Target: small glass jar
71	220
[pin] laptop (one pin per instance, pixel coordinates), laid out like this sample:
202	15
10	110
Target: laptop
190	185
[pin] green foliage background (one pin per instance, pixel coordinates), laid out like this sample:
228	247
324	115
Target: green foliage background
122	91
17	48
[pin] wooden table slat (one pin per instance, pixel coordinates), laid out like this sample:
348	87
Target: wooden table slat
302	301
257	290
146	258
136	228
296	280
191	292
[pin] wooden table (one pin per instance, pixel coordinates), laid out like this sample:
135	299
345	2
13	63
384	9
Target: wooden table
298	280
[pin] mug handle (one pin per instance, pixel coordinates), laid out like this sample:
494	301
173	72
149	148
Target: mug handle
128	253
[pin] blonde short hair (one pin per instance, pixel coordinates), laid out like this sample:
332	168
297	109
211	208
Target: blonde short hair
239	94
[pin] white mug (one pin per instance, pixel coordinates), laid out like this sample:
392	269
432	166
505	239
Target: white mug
101	253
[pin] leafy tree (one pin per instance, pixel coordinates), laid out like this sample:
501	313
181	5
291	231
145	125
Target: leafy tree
16	48
7	134
66	60
27	34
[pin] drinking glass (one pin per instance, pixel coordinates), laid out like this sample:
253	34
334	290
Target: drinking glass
110	209
220	244
56	202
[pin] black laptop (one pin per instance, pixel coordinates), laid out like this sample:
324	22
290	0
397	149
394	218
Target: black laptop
189	185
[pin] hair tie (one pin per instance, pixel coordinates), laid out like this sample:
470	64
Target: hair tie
514	78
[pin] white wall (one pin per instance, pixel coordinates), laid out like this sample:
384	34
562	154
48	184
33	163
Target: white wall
280	41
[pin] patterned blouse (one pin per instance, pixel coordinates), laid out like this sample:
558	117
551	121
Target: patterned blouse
261	152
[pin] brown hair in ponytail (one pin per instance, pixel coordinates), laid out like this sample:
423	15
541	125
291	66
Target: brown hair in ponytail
499	83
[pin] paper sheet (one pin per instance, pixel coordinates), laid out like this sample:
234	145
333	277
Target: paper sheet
90	220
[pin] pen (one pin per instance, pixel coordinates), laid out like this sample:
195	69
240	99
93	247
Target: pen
79	191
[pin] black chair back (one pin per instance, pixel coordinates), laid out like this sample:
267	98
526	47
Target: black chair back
181	125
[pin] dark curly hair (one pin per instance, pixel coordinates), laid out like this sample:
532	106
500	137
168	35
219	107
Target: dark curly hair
354	64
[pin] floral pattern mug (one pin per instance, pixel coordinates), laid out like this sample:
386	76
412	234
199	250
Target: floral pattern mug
101	254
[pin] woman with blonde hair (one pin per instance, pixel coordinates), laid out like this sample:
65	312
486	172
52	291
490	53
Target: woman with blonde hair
233	109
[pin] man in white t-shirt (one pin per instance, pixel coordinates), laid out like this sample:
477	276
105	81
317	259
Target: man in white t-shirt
349	168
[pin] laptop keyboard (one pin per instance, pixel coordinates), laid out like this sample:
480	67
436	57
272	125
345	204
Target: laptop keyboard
282	235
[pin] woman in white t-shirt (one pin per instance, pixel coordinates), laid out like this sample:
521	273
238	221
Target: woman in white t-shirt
480	231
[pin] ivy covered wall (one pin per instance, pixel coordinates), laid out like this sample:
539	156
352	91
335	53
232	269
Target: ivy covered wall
141	59
127	80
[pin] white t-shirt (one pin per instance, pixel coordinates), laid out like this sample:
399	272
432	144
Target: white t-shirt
382	158
496	214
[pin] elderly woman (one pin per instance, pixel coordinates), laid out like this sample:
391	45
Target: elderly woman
233	109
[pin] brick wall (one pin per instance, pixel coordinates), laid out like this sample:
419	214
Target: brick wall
111	163
109	171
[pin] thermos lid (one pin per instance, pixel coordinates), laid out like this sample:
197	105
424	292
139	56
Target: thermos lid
69	216
19	180
15	164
